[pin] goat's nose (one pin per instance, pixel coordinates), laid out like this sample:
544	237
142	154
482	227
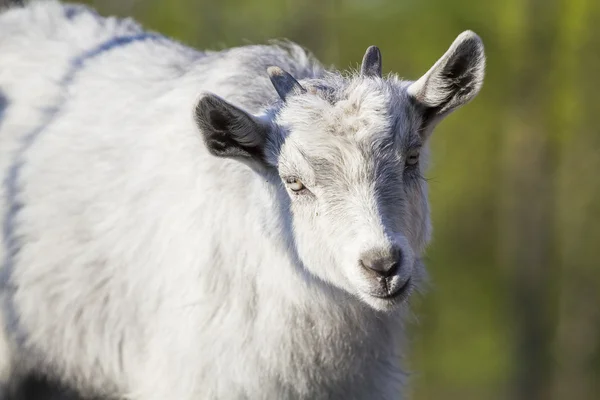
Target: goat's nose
382	262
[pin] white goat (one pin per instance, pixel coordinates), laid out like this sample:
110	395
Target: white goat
160	242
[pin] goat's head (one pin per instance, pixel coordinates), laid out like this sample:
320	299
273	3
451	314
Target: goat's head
351	153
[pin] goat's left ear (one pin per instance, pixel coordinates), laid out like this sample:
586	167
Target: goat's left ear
229	131
454	80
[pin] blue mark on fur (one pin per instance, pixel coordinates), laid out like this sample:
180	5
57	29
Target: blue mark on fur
3	106
73	10
11	182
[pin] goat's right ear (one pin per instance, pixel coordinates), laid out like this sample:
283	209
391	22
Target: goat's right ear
229	131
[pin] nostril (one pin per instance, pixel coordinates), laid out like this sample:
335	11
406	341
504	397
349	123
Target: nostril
393	269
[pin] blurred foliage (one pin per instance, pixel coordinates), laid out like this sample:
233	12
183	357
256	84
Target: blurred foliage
513	311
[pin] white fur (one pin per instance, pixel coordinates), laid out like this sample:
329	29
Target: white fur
149	269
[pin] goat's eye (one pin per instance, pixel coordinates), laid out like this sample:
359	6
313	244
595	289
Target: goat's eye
412	157
294	184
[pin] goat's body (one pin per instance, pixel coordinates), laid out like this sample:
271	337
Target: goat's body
139	265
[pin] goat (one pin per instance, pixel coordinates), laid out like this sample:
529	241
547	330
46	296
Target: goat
230	224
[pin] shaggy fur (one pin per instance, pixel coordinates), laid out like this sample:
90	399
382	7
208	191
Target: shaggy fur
186	225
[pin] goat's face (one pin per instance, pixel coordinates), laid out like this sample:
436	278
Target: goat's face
352	165
351	152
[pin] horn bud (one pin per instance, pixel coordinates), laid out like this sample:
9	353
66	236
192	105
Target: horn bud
284	83
371	63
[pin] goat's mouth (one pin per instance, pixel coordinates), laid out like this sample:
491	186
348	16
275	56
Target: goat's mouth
400	293
390	292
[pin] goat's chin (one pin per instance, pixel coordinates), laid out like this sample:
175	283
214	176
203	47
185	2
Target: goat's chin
382	305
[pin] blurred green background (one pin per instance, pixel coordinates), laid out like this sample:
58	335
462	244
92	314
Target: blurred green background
513	311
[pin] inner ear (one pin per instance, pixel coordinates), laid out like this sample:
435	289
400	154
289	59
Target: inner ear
218	121
457	83
458	74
